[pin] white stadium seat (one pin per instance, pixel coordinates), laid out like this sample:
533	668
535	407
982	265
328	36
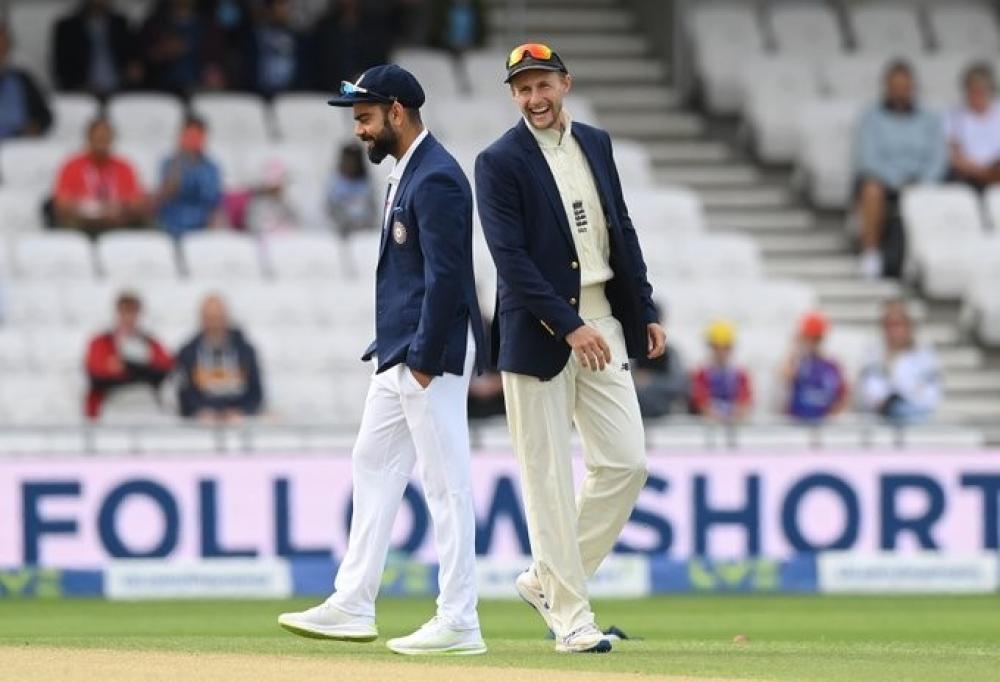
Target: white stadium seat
60	350
854	76
303	256
61	255
825	149
939	78
31	25
149	119
89	305
724	35
635	168
15	350
887	27
486	72
71	113
36	302
174	306
21	210
39	399
434	69
137	256
236	118
272	304
964	27
221	254
807	30
662	210
773	89
306	118
472	121
30	164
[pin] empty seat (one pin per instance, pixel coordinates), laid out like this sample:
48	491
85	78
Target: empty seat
939	77
887	28
71	113
305	118
303	256
724	35
135	256
89	305
774	88
60	350
32	302
146	118
304	397
580	108
824	150
304	164
808	30
274	304
30	399
668	210
473	121
221	255
173	307
633	163
963	27
15	351
21	209
58	255
435	69
853	77
233	117
486	72
31	164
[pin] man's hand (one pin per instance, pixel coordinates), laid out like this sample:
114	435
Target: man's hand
656	340
423	379
590	347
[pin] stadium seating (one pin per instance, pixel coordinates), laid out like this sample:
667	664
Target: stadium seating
235	118
146	120
887	28
32	165
221	255
774	86
824	149
964	27
136	256
61	255
303	256
806	30
71	113
31	24
853	76
724	35
21	209
435	70
305	118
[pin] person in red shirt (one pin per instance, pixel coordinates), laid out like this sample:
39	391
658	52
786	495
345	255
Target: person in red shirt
125	358
720	390
98	191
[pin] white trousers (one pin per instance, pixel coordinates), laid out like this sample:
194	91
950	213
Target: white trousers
572	534
406	425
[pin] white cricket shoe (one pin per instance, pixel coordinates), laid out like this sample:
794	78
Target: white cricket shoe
587	639
529	588
326	621
437	636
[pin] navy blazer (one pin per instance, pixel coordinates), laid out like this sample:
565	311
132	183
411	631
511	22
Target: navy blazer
528	234
425	292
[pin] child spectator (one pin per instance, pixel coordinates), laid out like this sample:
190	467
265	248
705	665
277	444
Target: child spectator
901	380
350	198
98	191
219	378
125	365
190	184
720	390
269	209
815	385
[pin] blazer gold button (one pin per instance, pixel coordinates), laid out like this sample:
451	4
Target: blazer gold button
572	301
574	265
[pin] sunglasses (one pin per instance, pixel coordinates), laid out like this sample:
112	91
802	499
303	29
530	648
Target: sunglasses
349	88
534	50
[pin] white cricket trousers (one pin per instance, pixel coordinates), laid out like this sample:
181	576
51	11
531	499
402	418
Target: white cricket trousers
405	425
571	533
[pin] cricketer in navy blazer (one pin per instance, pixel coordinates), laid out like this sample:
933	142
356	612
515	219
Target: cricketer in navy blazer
425	295
528	234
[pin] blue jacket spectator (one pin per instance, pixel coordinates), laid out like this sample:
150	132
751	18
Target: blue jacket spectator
23	110
219	377
278	52
190	184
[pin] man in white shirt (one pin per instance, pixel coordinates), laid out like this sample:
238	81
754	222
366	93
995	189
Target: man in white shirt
973	130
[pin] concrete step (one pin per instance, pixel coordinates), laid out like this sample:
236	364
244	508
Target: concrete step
658	125
628	98
852	289
572	46
973	381
789	219
688	152
959	409
750	199
708	177
612	71
845	267
804	244
939	334
867	313
960	358
558	20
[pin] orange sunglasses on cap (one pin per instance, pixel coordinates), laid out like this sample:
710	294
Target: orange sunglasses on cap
532	56
535	50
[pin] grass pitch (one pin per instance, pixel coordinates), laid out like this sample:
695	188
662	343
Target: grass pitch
787	637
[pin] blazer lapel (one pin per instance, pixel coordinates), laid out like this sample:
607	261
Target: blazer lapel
596	164
418	154
543	174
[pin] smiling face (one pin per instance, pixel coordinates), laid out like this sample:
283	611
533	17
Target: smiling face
374	125
539	95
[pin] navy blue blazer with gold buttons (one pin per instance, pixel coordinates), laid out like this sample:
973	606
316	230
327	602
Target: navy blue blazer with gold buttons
538	272
425	292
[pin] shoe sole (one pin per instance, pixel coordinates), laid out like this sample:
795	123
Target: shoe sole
526	598
437	652
337	637
602	647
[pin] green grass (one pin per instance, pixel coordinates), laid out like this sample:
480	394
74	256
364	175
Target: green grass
790	637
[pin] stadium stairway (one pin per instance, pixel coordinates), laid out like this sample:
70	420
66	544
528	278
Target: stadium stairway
628	85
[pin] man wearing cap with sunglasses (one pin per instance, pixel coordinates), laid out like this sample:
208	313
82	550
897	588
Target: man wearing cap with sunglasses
428	340
573	305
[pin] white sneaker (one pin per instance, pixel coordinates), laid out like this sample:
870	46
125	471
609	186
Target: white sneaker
529	588
326	621
437	636
870	264
586	639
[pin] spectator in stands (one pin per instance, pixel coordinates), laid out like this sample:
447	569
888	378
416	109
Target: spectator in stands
901	381
278	59
183	48
348	39
190	184
98	191
457	25
219	380
234	23
350	197
94	50
973	131
898	143
125	365
815	385
269	209
661	383
23	110
720	390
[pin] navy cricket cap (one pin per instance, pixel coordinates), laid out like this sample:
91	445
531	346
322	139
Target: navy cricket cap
383	84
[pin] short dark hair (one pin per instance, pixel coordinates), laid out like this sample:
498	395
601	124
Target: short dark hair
978	70
897	66
194	120
128	299
412	113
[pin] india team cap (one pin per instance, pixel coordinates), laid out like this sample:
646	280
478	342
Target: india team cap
532	56
383	84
